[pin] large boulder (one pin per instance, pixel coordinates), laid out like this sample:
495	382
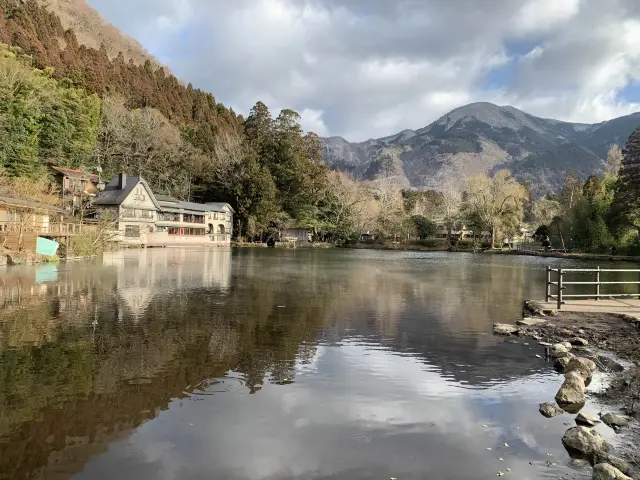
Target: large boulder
572	390
583	366
561	363
505	329
550	409
617	462
614	421
584	441
559	350
604	471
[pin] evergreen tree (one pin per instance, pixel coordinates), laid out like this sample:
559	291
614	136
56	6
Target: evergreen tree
626	207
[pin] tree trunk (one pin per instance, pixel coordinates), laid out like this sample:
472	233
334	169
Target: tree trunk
493	236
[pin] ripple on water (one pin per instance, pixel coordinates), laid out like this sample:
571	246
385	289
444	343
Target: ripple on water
215	386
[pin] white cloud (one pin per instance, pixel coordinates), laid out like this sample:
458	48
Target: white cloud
368	69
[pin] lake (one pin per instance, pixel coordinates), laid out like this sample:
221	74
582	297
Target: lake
270	364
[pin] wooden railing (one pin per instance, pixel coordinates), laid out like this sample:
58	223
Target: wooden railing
561	284
47	229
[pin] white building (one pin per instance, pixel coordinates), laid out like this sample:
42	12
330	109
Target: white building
159	220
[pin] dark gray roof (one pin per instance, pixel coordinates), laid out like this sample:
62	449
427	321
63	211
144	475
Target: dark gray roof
28	204
113	195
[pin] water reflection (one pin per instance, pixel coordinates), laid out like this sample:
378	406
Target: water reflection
270	364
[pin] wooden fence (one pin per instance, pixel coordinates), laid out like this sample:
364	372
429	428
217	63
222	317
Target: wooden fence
47	229
561	284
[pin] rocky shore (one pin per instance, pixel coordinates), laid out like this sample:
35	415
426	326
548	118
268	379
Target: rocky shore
579	345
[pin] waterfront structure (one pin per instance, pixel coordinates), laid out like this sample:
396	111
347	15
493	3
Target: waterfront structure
143	218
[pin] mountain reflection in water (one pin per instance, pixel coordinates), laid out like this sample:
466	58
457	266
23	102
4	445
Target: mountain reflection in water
272	364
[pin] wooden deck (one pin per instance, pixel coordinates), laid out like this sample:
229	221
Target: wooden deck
622	306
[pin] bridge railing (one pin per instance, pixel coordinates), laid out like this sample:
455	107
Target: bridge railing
560	285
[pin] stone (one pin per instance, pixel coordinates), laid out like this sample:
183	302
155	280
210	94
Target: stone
622	465
558	351
579	342
545	344
614	421
531	322
581	365
534	307
604	471
609	364
567	345
587	419
584	441
565	331
550	409
572	390
505	329
560	364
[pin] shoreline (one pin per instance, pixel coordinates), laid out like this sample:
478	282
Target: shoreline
579	344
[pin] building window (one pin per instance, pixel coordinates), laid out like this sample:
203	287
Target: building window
189	218
139	195
169	217
13	216
132	231
128	212
186	231
161	229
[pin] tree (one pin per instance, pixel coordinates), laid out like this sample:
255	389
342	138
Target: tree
425	228
451	201
344	201
544	211
388	195
626	204
498	202
614	160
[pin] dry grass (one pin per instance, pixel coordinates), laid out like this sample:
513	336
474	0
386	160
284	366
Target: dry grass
92	30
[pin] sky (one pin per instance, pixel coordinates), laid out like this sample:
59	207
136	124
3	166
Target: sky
370	68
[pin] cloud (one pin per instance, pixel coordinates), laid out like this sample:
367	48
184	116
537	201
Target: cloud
366	69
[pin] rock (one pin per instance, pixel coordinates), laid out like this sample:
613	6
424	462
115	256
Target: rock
614	421
560	364
617	462
565	331
584	441
604	471
534	307
581	365
504	329
579	342
545	344
610	364
550	409
587	419
572	408
531	322
567	345
572	390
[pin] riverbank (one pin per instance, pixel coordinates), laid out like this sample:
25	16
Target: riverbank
577	343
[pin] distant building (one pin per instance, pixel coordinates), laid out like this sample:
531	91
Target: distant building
160	220
76	187
295	233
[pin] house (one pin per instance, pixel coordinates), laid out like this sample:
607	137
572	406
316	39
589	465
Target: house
76	187
295	233
17	214
160	220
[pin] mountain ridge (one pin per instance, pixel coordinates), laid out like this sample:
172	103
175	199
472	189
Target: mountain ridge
483	137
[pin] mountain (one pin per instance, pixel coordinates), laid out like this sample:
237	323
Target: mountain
94	31
483	137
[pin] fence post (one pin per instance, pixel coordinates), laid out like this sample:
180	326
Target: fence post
598	284
560	273
548	283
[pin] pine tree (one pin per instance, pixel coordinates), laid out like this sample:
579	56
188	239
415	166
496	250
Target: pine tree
627	198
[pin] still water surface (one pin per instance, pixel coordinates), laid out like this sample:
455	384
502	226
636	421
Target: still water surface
263	364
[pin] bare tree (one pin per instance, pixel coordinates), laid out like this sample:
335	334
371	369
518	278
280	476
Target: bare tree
614	160
497	201
450	204
388	194
544	211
